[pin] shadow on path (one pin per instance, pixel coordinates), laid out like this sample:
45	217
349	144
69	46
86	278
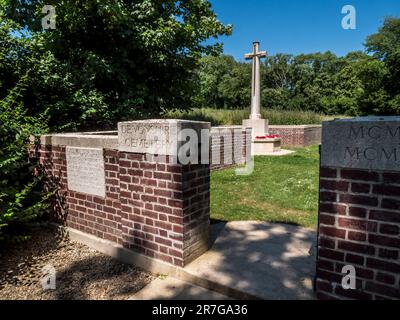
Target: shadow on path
259	259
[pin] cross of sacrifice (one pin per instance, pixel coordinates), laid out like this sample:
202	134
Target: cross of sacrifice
256	55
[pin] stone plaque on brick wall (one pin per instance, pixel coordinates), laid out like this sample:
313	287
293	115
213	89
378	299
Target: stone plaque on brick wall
158	137
364	143
85	171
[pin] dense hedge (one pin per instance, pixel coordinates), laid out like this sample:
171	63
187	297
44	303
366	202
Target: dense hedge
22	198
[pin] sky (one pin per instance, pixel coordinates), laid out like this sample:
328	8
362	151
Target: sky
299	26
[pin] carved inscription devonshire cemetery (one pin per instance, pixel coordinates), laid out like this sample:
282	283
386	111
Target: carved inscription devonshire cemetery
156	137
365	143
85	171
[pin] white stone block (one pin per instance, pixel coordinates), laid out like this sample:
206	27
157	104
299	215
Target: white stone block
158	137
85	171
371	143
266	147
259	126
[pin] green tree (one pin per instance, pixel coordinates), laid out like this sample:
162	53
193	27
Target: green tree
372	74
234	86
277	82
21	198
385	45
224	82
212	71
116	60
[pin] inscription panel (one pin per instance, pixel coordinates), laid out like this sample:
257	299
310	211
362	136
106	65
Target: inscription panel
85	171
364	143
158	137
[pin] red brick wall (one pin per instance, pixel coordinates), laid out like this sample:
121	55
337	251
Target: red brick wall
165	208
223	140
91	214
297	136
359	225
157	209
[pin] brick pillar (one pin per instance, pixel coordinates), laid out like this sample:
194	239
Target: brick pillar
359	210
164	203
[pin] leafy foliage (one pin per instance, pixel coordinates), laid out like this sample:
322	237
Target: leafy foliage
224	83
115	60
21	198
385	46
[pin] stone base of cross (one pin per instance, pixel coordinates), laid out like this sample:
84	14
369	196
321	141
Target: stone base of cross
259	126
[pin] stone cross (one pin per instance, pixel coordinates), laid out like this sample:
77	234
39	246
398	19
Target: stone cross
256	55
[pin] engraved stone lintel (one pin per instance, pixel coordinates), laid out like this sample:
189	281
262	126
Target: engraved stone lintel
371	143
85	170
156	137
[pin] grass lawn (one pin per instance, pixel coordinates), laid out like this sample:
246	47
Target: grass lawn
281	189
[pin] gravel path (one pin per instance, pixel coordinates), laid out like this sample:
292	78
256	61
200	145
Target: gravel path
82	273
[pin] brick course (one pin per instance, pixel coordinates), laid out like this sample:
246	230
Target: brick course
359	225
162	216
230	146
297	136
